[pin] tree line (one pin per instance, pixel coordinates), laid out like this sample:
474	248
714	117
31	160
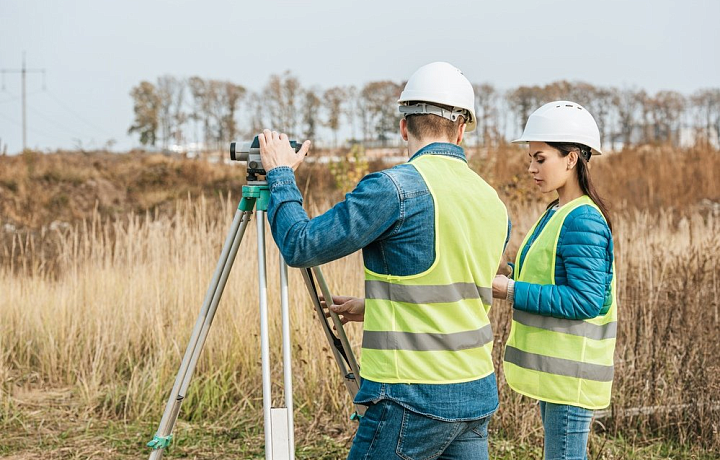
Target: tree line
176	110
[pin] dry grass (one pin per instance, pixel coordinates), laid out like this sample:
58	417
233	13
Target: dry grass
104	307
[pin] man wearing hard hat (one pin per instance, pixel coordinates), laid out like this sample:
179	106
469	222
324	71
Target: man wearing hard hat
432	234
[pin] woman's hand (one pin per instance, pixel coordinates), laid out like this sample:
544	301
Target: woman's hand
500	287
348	308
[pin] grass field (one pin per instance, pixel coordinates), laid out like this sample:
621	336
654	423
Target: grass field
101	288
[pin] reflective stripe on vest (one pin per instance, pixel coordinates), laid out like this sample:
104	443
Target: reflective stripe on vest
558	366
558	360
567	326
448	293
433	327
417	341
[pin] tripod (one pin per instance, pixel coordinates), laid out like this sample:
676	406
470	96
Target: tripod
278	422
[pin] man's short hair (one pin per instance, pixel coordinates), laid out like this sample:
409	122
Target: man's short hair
432	126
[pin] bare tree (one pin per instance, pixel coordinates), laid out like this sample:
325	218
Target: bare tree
201	115
283	96
215	104
562	90
256	108
644	102
310	109
627	105
365	114
333	103
666	108
146	107
352	110
228	96
380	99
486	110
523	101
601	107
171	92
706	103
165	88
179	115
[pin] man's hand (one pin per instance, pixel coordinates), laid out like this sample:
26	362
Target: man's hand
348	308
275	150
500	287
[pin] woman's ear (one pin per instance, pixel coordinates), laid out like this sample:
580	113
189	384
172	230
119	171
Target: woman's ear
572	160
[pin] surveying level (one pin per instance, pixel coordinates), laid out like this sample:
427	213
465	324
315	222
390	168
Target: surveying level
278	421
250	153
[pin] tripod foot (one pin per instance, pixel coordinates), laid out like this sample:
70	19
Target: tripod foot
160	442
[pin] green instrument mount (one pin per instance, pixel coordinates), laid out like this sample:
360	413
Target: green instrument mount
254	196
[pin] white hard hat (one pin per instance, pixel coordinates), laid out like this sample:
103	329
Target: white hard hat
441	83
562	121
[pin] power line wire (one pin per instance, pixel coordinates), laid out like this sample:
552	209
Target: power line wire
11	120
36	131
79	117
15	98
52	121
12	97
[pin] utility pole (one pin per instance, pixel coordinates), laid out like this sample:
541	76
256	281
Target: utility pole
24	71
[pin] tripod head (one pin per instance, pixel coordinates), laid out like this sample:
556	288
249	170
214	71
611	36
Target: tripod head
250	153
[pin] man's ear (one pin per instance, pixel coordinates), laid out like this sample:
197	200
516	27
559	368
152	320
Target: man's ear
403	129
461	132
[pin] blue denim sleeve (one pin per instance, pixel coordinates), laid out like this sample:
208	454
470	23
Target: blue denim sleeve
584	244
365	214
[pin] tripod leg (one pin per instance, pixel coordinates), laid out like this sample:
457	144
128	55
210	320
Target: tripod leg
199	334
338	325
336	345
287	354
340	352
264	341
277	421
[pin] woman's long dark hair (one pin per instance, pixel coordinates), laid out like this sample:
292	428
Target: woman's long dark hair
583	173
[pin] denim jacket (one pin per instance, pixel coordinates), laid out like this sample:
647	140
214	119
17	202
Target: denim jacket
390	216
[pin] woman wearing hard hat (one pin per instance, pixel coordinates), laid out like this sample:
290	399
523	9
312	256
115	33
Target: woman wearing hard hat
562	339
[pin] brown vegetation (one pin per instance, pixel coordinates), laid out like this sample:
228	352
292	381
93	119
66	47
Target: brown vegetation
104	303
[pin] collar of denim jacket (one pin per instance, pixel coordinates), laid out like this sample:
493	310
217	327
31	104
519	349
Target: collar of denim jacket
441	148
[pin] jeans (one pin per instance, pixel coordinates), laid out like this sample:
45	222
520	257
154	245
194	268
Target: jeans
389	431
566	431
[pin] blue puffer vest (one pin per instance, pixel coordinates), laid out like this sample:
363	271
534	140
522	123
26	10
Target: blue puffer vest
583	270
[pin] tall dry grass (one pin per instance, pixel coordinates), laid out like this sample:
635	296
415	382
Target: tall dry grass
105	307
667	374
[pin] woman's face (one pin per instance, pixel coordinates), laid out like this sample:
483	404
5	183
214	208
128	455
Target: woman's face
548	167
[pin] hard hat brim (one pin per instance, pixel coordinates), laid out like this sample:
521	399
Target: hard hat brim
574	140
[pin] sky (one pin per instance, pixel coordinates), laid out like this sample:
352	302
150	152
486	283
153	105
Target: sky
94	51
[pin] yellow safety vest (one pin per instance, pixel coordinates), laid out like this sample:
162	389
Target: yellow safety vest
556	360
433	327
